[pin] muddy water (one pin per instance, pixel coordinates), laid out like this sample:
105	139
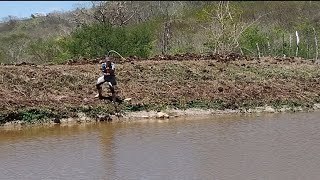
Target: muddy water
273	146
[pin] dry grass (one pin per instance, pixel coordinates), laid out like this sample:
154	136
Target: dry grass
233	83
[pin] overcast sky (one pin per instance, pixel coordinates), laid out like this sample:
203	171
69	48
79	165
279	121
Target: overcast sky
23	9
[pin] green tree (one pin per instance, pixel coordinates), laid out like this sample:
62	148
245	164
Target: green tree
252	37
97	39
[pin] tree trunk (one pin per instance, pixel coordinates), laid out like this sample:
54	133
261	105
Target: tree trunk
316	43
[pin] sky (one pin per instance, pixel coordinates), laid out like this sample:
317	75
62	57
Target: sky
24	9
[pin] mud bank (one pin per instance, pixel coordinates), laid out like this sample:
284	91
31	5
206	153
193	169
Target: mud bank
154	116
195	84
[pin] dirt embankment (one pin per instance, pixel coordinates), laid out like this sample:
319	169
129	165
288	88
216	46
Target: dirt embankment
191	57
181	81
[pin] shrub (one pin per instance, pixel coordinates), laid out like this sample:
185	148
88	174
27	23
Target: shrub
49	50
97	39
249	38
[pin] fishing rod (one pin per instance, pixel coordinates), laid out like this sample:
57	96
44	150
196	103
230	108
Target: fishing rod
117	54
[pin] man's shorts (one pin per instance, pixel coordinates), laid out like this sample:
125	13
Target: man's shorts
107	78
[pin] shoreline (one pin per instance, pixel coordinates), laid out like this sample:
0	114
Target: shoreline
154	116
193	86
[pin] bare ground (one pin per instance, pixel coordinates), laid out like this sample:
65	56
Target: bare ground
215	81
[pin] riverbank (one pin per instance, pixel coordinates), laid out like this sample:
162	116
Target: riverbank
214	84
154	116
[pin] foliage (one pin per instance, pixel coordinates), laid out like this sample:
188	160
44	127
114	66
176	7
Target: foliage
97	39
28	116
49	50
139	30
250	38
92	112
2	57
224	24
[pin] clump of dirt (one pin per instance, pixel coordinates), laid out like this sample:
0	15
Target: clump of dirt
195	57
224	58
177	57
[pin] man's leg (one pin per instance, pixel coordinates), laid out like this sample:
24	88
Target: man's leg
99	87
113	93
112	83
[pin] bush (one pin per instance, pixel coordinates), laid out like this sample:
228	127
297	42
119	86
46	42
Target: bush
249	38
49	50
97	39
13	46
2	57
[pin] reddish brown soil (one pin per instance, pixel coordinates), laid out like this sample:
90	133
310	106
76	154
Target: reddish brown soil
176	80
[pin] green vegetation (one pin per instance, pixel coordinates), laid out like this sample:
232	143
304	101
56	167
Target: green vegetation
43	115
94	41
251	28
29	116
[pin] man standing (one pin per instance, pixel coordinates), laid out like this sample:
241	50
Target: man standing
108	69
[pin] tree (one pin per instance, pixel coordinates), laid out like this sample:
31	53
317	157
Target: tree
10	22
225	25
14	46
114	13
169	12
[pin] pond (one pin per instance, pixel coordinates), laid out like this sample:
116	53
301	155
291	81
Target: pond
259	146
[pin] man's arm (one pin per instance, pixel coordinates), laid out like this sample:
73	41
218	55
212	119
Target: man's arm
113	66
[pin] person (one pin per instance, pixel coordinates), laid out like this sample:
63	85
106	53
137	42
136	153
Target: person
108	70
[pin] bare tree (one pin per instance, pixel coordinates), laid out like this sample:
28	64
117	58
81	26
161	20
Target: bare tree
223	27
14	46
10	21
316	43
169	11
226	27
115	13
